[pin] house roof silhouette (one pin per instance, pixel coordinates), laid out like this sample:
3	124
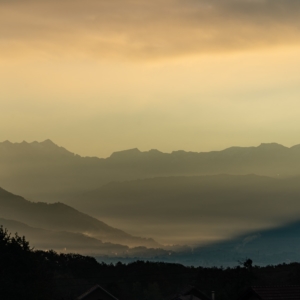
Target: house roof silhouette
97	292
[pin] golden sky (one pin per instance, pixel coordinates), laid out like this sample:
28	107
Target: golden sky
100	76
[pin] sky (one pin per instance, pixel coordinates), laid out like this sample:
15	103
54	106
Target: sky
101	76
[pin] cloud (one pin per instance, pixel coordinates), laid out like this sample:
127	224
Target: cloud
143	29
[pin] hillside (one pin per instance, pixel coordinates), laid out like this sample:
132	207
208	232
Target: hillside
61	217
63	241
71	242
46	172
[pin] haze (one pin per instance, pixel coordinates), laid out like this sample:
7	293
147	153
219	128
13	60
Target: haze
98	77
102	76
178	198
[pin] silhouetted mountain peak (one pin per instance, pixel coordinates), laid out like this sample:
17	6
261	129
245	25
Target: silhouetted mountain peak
34	148
155	152
48	142
130	153
49	145
7	142
270	146
296	146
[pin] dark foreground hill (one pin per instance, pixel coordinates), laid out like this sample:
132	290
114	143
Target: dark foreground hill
60	217
47	172
33	275
194	209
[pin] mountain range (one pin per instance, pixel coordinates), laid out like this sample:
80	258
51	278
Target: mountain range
213	202
46	172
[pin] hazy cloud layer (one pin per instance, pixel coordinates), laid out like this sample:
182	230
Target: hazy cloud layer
145	29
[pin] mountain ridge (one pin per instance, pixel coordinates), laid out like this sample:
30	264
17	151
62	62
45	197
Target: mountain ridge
60	216
50	173
49	142
66	242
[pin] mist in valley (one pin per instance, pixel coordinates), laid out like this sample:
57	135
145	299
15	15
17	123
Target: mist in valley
147	204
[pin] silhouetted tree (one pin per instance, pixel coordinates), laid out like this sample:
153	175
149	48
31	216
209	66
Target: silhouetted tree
22	273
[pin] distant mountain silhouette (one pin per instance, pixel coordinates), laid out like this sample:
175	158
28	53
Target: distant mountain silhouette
47	172
60	217
194	208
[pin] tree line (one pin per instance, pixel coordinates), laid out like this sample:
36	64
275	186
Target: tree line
26	273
